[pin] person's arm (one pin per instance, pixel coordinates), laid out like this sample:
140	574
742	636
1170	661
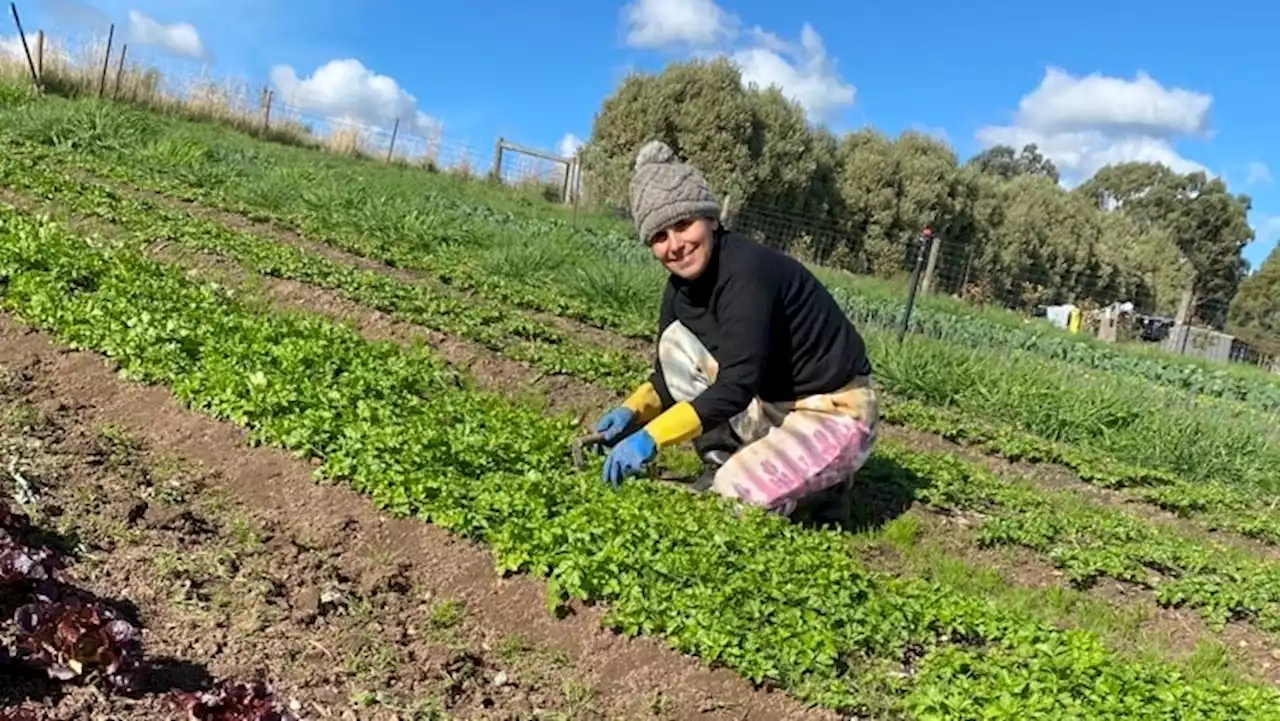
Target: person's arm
651	398
644	402
745	311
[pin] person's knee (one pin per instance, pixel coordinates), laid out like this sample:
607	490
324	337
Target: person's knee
721	438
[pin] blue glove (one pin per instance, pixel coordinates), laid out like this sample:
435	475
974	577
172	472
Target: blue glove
629	457
614	422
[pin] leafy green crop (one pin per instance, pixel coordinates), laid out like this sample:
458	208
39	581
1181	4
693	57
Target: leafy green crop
778	603
1215	504
1125	418
1108	531
1089	541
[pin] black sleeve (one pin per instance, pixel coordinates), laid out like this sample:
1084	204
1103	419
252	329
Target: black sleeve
744	311
666	316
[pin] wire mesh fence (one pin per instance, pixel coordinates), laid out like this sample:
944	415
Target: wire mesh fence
1073	290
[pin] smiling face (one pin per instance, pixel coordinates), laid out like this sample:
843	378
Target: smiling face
684	249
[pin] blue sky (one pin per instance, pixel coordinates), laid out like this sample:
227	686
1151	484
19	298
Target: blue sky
1090	82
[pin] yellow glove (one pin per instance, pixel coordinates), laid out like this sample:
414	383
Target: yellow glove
644	403
678	424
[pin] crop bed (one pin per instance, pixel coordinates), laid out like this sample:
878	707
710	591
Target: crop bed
520	261
233	563
1212	499
778	603
1188	524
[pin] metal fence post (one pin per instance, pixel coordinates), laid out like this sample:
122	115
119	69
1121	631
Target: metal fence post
106	60
922	244
35	76
392	147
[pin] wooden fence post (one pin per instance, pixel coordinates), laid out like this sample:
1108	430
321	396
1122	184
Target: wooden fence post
931	266
40	56
496	171
564	190
267	94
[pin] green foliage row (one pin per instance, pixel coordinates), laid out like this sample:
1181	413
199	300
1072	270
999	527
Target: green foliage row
778	603
492	325
1216	504
1111	536
1090	541
1115	416
527	253
1217	381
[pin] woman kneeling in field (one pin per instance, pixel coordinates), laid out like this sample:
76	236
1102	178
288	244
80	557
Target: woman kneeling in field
756	363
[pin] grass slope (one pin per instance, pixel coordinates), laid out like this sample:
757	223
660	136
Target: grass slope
599	272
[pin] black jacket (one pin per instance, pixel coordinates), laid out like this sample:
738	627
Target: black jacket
773	328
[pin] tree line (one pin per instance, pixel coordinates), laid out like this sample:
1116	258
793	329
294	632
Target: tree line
1011	234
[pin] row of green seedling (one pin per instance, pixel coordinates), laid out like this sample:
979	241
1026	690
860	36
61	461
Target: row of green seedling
1216	504
1089	541
1114	548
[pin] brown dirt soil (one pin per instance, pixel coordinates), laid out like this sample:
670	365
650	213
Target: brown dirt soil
578	329
314	586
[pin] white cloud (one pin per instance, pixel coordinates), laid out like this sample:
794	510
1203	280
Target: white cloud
1085	123
11	48
809	78
663	23
1258	173
179	39
78	14
346	90
803	71
569	145
1064	103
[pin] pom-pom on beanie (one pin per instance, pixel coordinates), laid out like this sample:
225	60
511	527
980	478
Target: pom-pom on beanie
665	191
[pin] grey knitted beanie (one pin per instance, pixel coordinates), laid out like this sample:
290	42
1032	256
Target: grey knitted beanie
665	191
